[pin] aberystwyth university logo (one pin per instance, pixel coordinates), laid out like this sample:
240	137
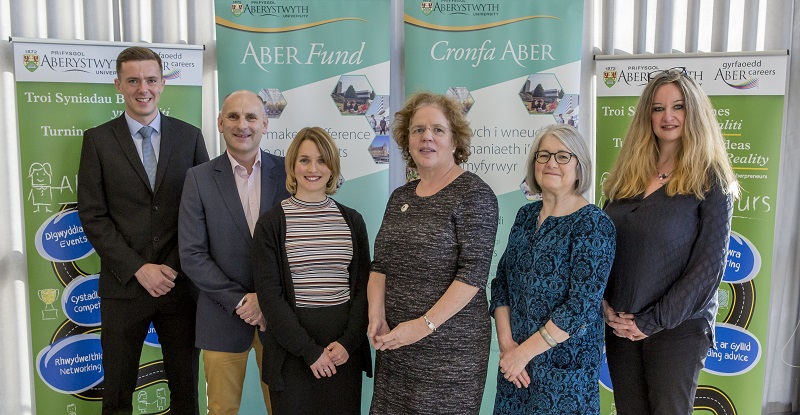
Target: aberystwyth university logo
237	8
460	7
610	76
267	8
30	60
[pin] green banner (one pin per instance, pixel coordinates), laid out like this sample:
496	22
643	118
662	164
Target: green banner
62	89
316	63
516	67
747	92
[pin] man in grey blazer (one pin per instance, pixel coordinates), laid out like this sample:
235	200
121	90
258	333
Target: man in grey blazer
130	179
222	200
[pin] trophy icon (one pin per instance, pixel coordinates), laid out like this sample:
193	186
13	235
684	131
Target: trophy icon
48	297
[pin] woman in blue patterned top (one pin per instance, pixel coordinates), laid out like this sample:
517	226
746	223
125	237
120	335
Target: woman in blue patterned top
547	294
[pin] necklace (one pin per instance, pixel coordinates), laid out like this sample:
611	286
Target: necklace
663	176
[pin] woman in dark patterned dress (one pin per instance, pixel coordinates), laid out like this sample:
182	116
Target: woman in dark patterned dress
547	294
310	265
670	196
427	298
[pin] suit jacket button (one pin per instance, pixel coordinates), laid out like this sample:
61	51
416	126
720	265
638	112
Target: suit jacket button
155	207
156	239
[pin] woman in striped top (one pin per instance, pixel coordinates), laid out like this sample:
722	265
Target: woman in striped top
310	265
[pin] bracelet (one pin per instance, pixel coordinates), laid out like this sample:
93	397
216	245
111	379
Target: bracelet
429	323
547	337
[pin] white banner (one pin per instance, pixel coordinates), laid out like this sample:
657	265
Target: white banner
41	60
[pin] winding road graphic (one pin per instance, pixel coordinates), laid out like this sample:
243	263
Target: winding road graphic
714	400
743	302
150	373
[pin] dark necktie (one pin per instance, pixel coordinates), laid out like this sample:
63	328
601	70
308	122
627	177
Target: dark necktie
148	154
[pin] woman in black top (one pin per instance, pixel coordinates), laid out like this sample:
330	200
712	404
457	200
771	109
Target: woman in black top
310	267
671	198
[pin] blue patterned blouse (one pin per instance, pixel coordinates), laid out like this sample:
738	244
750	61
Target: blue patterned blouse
558	273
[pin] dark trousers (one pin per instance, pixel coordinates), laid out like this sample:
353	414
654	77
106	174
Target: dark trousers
658	375
124	327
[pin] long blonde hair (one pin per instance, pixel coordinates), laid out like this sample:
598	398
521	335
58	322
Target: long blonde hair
702	160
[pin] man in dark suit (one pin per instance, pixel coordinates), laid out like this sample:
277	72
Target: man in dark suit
130	181
222	200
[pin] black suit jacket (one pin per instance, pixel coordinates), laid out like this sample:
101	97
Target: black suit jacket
215	246
128	223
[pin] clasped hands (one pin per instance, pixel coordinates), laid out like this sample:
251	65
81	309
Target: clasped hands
513	359
157	279
622	323
407	332
333	355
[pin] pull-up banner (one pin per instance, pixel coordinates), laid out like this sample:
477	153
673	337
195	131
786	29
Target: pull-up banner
516	68
747	91
316	63
62	89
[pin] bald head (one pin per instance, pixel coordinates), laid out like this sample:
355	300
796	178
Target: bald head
242	122
242	94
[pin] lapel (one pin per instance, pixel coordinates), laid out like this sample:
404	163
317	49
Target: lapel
226	184
167	132
123	136
270	182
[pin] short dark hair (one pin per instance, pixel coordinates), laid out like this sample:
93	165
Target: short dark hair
137	53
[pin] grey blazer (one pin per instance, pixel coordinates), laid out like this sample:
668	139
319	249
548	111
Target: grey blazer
215	241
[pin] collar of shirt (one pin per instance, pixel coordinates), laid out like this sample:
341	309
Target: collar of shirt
237	168
249	188
134	127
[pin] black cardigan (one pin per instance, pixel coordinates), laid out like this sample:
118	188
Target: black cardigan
275	290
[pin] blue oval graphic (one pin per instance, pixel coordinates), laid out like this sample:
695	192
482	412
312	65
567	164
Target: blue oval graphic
61	238
80	301
737	351
152	337
72	364
743	262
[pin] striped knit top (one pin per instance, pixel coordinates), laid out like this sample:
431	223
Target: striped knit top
319	249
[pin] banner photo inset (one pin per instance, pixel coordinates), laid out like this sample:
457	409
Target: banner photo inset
62	89
747	92
516	67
